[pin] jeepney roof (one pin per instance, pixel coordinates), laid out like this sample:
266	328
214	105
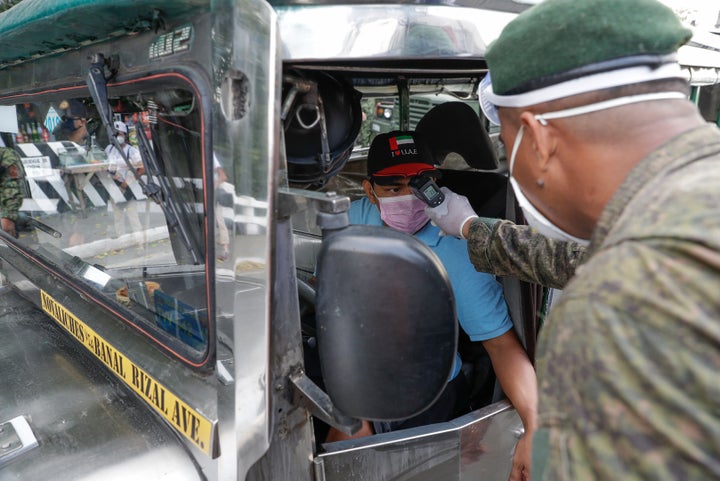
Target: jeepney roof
449	36
35	28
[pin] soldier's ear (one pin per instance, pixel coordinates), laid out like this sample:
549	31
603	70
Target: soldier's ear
542	138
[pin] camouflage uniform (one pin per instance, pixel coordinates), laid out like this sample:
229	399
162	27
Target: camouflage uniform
508	249
628	361
11	175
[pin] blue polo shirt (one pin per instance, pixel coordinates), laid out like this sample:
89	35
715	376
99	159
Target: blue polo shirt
479	300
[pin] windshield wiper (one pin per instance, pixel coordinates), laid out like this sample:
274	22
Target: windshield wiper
33	222
174	212
161	194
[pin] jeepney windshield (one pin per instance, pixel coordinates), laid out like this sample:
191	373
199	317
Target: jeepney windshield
129	227
392	31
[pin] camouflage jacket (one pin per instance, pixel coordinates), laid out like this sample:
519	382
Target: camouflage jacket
628	360
507	249
11	176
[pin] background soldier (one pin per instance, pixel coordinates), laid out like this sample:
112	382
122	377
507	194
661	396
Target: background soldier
11	175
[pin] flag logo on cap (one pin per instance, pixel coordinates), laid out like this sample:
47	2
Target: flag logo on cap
396	143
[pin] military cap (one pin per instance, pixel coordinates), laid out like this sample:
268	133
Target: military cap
560	40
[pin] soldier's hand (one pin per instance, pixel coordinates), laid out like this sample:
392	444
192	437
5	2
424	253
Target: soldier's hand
9	226
452	214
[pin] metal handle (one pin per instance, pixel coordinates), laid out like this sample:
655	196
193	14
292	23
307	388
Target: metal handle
16	438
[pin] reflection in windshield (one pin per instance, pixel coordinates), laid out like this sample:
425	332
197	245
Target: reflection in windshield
363	31
87	209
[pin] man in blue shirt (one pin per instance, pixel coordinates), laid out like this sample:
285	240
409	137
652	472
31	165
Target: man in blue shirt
393	160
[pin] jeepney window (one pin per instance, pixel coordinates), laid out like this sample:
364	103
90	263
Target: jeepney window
129	229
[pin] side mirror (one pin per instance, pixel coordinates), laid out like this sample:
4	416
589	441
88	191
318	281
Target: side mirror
386	322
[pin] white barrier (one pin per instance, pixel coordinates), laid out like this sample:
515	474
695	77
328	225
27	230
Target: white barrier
54	190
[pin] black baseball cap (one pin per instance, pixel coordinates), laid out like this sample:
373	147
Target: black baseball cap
74	109
399	154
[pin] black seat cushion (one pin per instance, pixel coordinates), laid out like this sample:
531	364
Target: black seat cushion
485	190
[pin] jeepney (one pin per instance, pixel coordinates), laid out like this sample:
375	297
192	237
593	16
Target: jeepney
143	352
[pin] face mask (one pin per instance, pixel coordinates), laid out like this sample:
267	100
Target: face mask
533	216
405	213
121	139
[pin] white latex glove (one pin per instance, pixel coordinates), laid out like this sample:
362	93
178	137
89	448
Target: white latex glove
452	214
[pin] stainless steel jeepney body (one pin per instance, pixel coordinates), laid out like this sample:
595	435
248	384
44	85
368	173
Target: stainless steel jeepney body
196	378
156	406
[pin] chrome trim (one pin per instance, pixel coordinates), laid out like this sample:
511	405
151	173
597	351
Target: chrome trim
16	438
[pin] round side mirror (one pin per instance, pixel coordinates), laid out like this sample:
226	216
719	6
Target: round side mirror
387	329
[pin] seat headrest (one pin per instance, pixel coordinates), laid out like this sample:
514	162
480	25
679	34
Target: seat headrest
456	127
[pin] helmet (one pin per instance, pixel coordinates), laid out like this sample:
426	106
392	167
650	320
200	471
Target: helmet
120	126
322	123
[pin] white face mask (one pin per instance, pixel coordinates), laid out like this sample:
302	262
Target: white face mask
121	139
534	218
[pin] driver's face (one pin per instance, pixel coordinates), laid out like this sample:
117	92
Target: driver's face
397	188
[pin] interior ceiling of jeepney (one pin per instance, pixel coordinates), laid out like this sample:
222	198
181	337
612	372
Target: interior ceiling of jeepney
34	28
462	87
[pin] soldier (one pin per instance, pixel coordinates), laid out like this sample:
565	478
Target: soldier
11	175
610	158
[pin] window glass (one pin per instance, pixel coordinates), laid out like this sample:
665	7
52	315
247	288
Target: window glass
129	228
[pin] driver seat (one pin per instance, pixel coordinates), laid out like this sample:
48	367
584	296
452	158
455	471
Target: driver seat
454	127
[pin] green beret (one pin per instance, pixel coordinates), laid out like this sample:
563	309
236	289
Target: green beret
557	36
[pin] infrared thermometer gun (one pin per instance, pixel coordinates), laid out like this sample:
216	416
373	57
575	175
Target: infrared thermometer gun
425	189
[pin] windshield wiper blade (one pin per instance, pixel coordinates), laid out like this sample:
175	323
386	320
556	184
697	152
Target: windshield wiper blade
98	91
176	217
43	227
97	84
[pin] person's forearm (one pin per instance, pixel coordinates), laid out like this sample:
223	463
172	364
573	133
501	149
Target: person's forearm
503	248
10	205
518	382
516	376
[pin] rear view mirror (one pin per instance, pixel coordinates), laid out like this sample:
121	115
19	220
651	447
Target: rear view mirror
386	326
